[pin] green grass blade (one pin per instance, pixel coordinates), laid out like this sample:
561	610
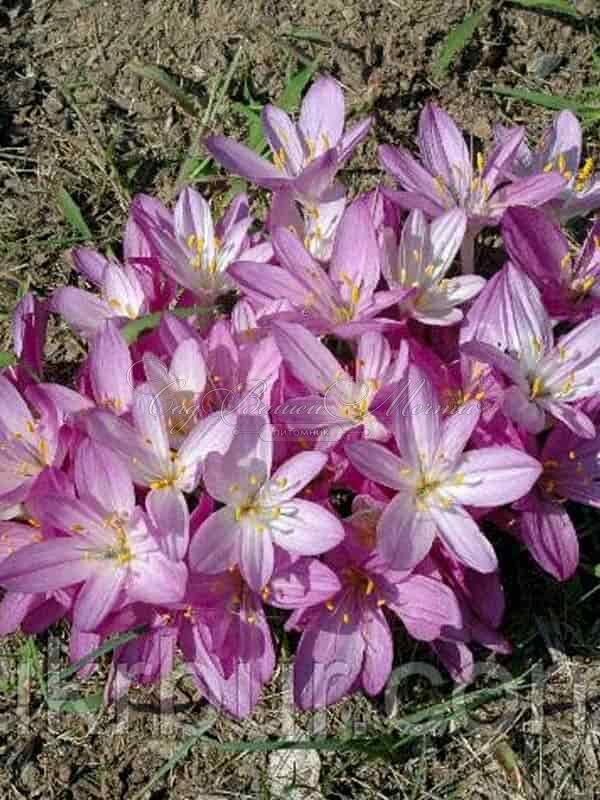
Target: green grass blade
179	755
7	359
291	96
554	6
73	214
552	101
136	327
77	705
456	41
158	76
107	647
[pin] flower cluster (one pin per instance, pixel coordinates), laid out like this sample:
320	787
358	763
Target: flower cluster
320	413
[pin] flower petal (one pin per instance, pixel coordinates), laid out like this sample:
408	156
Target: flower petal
461	535
214	548
404	533
256	557
169	514
493	476
377	463
306	528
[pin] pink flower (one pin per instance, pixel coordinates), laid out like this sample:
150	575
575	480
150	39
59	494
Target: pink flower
306	155
343	301
571	471
434	479
28	444
425	254
108	546
346	641
340	403
559	153
547	378
261	509
568	283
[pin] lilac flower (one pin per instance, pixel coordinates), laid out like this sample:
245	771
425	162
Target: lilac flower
434	480
571	472
569	284
316	226
109	547
110	369
340	403
121	294
306	155
178	388
138	251
194	253
446	178
146	447
346	641
29	323
481	601
28	444
344	301
546	377
559	152
421	261
261	508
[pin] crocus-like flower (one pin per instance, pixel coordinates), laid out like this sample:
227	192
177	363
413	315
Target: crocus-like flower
481	601
121	294
340	403
346	641
546	377
108	547
571	472
221	629
110	369
261	509
422	260
343	301
28	444
306	155
434	480
316	226
29	323
146	447
178	387
193	253
569	284
559	151
446	178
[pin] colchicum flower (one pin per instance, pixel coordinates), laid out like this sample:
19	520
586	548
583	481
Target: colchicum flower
121	294
28	444
340	403
306	155
571	472
569	283
421	261
109	547
434	479
344	300
346	641
559	152
547	378
446	178
261	509
192	252
146	447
